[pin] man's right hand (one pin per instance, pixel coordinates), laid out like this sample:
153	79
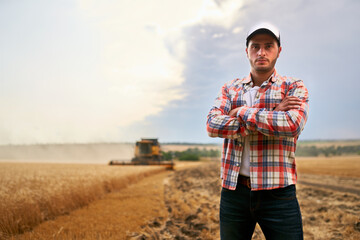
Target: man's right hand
289	103
233	112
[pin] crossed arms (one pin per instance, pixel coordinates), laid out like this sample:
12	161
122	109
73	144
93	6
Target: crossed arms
287	119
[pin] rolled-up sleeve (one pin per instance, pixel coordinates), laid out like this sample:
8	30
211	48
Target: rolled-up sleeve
219	123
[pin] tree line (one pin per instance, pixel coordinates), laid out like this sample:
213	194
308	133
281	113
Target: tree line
313	151
195	154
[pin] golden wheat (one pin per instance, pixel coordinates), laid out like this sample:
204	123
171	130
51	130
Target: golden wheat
346	166
32	193
110	217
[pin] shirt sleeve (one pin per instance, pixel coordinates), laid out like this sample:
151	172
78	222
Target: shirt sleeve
219	123
278	123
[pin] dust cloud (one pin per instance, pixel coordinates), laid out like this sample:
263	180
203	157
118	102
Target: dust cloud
97	153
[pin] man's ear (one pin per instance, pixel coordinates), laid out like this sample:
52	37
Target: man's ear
246	50
280	48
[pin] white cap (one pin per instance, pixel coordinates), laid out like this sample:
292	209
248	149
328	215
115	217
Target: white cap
264	27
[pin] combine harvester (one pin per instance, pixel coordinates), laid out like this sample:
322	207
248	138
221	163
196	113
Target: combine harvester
147	152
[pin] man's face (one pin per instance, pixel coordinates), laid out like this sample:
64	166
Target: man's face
262	53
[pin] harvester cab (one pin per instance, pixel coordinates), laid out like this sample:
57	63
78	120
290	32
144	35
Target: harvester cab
146	151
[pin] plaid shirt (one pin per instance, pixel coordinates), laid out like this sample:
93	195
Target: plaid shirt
272	134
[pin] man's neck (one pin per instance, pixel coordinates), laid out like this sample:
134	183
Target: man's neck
259	77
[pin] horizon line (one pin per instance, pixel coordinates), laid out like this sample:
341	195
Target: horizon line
166	142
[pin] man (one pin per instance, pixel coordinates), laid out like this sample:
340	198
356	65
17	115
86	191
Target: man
260	118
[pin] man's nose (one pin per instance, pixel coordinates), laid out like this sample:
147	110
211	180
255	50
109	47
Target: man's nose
261	52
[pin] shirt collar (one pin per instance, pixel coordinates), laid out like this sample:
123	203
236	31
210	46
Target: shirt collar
272	78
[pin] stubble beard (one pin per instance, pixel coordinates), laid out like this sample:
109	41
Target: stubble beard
264	69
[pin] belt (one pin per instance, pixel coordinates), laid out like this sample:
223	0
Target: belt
245	181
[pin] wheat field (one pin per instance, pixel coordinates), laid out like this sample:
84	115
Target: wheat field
345	166
46	201
32	193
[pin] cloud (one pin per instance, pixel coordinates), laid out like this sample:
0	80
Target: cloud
319	46
90	69
135	60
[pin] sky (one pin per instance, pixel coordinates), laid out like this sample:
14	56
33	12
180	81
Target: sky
79	71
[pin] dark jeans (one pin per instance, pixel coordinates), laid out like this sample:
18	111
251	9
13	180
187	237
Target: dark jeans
277	212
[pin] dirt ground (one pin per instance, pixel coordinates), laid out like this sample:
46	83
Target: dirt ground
329	210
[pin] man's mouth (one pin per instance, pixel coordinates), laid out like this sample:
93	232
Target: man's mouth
261	60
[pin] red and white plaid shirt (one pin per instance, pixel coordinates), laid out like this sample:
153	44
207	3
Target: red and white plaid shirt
272	134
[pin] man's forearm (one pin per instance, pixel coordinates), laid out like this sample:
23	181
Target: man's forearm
224	126
274	123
